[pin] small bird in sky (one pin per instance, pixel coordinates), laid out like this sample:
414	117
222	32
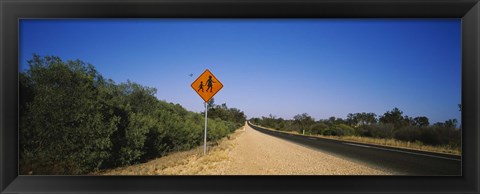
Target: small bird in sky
191	75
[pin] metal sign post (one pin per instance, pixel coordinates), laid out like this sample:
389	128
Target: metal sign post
206	86
205	137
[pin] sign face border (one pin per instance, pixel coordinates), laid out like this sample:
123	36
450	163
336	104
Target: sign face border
193	87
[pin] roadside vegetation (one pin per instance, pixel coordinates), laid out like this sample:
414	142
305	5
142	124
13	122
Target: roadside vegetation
74	121
390	129
190	162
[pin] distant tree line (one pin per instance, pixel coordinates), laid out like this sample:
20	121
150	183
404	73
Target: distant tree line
74	121
222	112
392	124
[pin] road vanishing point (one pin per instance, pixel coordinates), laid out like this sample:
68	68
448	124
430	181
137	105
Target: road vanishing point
397	160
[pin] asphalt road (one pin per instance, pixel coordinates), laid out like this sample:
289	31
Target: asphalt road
398	161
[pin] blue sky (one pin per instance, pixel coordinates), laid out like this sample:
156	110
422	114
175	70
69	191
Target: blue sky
323	67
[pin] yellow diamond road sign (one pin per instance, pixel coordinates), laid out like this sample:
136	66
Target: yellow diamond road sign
207	85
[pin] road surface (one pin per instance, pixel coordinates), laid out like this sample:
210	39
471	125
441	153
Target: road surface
256	153
249	152
398	161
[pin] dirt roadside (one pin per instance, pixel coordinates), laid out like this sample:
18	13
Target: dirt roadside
249	152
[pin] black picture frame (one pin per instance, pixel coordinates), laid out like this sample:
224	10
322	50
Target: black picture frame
11	11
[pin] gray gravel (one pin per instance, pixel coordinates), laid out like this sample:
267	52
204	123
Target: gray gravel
255	153
248	152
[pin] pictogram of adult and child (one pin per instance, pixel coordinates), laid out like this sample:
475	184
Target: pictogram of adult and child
209	84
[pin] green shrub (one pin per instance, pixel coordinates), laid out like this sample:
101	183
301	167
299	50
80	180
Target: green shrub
62	128
344	129
432	135
376	130
317	128
72	121
338	130
330	132
410	134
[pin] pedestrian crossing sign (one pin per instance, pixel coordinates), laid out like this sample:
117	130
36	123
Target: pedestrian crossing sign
207	85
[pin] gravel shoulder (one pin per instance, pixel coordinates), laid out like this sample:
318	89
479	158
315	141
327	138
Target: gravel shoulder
249	152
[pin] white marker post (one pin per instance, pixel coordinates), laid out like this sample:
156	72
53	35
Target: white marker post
205	138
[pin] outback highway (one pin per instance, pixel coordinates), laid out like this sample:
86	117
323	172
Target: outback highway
399	161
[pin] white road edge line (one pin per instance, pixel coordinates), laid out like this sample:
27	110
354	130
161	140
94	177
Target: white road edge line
358	145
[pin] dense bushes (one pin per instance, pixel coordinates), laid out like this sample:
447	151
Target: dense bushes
62	117
273	122
391	125
224	113
432	135
73	121
379	130
318	128
341	130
